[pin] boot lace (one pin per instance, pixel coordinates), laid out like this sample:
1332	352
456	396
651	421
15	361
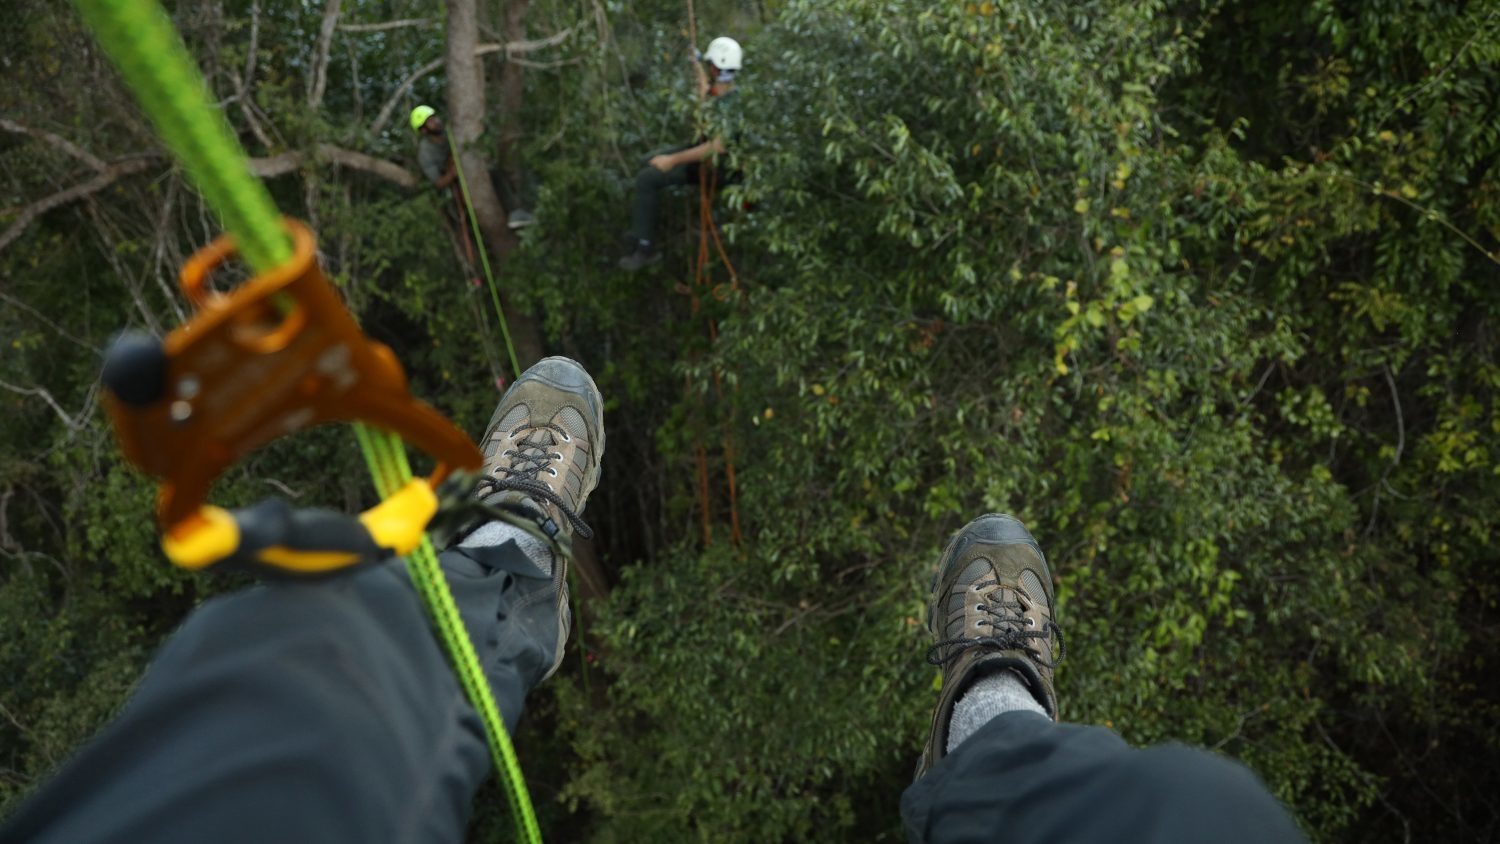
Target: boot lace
1012	629
530	457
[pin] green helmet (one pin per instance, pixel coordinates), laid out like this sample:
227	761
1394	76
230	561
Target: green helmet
419	116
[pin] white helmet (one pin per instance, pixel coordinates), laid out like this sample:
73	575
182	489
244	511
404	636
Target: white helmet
724	54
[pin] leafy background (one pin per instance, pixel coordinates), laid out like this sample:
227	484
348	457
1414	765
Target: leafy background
1205	292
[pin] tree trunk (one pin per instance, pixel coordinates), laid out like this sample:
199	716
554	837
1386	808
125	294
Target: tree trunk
466	110
512	95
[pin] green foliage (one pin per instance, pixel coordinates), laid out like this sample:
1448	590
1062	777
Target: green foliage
1206	293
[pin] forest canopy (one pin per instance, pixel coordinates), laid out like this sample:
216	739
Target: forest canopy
1206	292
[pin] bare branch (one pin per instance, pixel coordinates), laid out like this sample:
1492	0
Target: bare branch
73	423
319	81
245	94
254	45
406	84
514	48
111	174
283	488
386	25
401	91
61	143
368	163
276	165
17	303
289	162
546	65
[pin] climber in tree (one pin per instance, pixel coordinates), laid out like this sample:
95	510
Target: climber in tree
436	160
688	164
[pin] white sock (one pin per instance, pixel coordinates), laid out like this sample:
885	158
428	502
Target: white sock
991	695
495	533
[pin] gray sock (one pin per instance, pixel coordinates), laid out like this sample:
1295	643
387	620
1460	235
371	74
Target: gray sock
991	695
495	533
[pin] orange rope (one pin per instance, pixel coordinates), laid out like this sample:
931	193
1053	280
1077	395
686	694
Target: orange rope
708	176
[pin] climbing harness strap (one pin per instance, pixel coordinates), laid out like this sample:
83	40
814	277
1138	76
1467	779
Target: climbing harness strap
270	353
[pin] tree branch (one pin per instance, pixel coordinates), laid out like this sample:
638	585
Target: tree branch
70	421
111	174
17	303
406	84
59	142
514	48
386	25
290	162
368	164
321	56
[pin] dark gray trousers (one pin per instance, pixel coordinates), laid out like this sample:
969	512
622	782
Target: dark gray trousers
649	183
307	712
327	712
1021	778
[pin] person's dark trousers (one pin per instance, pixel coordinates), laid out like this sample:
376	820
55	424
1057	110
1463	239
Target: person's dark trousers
1021	778
307	712
514	197
649	183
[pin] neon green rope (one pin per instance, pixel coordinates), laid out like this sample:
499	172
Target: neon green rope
484	259
145	46
387	461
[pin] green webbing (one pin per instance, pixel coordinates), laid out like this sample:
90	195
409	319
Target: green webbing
484	259
150	55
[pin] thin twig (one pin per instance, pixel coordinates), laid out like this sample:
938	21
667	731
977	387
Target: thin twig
11	300
111	174
57	141
41	392
406	85
1390	382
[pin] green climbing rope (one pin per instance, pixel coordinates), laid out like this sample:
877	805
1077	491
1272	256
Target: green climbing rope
155	64
146	48
484	258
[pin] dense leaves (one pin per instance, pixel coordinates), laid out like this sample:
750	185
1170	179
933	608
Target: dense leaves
1206	293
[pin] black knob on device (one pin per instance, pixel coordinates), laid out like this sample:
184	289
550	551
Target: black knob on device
135	368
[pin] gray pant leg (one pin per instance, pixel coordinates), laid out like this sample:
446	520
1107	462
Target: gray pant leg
306	711
1021	778
649	183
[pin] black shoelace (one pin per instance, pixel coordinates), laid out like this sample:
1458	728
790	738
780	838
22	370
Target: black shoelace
1012	629
529	458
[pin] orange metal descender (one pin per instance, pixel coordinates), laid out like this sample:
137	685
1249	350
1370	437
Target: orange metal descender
274	356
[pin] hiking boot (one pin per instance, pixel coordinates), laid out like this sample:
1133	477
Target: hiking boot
543	445
643	255
991	610
541	461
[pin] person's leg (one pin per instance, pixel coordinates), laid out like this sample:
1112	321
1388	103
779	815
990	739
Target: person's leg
296	711
997	760
649	183
326	710
516	200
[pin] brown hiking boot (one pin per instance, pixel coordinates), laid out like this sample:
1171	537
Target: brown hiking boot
541	461
544	442
991	610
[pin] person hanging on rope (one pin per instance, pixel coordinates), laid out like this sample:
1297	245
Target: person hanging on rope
435	158
688	164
